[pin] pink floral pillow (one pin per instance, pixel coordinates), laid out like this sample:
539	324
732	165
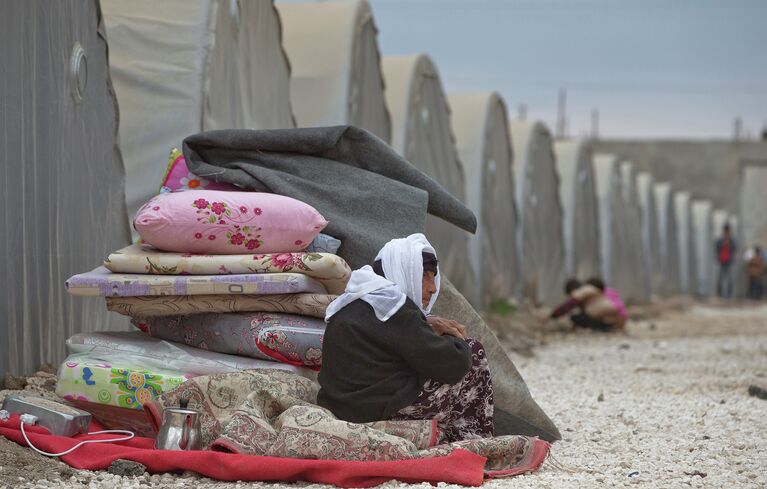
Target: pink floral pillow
178	177
226	223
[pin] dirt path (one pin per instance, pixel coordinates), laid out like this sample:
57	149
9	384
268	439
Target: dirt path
665	405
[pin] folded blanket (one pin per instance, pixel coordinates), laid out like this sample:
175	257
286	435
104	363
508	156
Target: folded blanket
286	337
274	413
105	283
330	270
147	306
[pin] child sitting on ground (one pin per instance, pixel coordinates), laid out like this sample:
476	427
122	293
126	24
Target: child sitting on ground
601	308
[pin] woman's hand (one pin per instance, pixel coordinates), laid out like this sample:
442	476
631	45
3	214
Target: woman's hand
443	326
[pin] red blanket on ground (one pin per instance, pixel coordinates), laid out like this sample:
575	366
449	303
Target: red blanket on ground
459	467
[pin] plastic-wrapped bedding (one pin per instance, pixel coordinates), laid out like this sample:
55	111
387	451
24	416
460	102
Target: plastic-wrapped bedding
580	211
687	272
61	172
703	247
102	282
484	147
637	288
335	65
421	133
185	66
287	338
650	241
539	210
612	222
667	237
112	375
179	359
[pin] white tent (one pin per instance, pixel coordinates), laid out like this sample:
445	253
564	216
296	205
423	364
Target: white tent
335	65
539	226
482	140
687	274
637	286
612	222
422	134
580	210
702	221
227	70
650	240
719	218
62	176
667	237
753	204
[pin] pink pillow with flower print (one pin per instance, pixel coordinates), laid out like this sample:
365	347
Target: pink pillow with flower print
227	223
179	178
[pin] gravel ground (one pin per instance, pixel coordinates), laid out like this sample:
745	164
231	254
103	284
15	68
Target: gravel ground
664	405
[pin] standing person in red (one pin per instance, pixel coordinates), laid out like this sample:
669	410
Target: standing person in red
725	253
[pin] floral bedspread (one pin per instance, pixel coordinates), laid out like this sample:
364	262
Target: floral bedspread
330	270
274	413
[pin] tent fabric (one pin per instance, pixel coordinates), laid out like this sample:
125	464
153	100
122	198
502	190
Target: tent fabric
612	222
703	245
687	273
667	238
719	218
539	225
421	133
651	259
637	289
63	206
482	139
335	65
580	210
752	203
185	66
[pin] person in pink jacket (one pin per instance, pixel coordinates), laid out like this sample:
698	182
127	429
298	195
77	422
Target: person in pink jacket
600	307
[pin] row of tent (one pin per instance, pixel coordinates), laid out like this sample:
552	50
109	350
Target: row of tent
547	210
95	94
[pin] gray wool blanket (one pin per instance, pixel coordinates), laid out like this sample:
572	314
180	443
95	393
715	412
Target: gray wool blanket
369	194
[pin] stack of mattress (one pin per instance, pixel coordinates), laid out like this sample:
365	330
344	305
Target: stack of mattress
210	304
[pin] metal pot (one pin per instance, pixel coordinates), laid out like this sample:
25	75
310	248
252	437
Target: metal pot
180	430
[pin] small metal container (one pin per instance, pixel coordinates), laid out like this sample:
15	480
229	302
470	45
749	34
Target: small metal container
180	430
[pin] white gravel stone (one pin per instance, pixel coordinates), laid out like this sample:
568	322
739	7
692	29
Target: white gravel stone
675	409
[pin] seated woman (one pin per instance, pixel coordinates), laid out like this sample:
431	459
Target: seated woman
384	357
601	308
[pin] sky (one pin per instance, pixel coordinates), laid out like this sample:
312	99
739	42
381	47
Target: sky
652	69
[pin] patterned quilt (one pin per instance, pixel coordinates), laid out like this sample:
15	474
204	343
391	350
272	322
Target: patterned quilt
330	270
274	413
149	306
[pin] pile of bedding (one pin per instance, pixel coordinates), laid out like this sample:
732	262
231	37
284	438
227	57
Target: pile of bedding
221	281
227	291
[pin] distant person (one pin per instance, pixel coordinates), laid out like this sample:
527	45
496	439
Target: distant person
725	252
600	308
755	268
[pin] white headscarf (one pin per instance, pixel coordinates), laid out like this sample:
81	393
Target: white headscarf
402	263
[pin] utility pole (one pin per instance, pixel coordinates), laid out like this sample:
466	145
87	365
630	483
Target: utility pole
594	123
737	131
561	114
522	112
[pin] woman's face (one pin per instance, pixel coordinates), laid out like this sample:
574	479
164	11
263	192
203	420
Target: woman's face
428	288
